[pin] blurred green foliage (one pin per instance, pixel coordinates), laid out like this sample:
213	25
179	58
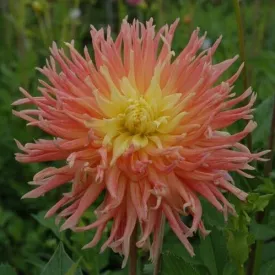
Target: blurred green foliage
27	241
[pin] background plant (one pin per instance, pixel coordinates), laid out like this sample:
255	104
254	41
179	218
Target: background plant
32	245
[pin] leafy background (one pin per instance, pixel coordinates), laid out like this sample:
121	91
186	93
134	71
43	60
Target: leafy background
31	245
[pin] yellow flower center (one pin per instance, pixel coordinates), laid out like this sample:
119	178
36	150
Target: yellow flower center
138	117
132	118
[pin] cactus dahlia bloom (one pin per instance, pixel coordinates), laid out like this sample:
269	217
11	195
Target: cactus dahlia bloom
142	126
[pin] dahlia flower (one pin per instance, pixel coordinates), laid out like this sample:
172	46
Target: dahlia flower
142	126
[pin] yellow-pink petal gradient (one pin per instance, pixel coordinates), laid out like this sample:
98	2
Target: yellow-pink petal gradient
142	125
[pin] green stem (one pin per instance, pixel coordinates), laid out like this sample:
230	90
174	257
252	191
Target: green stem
242	54
258	257
157	263
241	270
261	217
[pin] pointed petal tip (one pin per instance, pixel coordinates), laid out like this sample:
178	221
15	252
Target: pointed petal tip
206	233
68	224
22	90
86	246
28	196
18	143
62	228
69	45
53	47
47	215
15	103
23	197
125	260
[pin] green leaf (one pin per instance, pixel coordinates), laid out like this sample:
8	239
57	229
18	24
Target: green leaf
268	268
262	232
207	255
263	117
35	260
94	261
60	263
267	186
5	217
73	269
219	246
6	269
148	269
229	269
172	244
257	202
268	251
211	216
172	264
238	246
48	222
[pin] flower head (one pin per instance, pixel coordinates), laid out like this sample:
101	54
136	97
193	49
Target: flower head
143	126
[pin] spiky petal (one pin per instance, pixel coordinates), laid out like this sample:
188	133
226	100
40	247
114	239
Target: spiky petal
145	127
